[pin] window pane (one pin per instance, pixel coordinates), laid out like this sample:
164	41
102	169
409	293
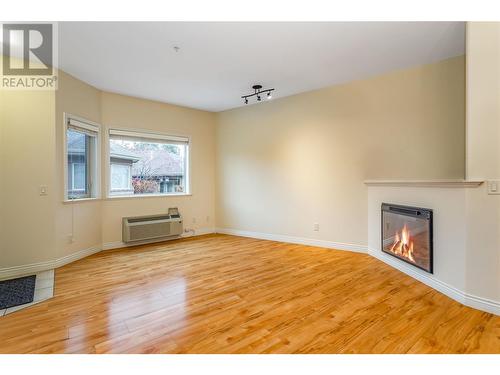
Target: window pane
147	167
120	176
79	176
79	147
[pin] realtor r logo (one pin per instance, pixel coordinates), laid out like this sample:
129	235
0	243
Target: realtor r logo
29	56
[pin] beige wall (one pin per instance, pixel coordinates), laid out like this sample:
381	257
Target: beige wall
483	158
483	94
198	209
2	218
3	119
79	220
302	160
27	155
36	228
93	223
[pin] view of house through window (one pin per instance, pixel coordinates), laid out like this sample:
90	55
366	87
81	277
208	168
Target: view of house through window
140	164
81	145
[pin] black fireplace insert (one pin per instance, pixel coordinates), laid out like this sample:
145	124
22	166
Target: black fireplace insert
407	234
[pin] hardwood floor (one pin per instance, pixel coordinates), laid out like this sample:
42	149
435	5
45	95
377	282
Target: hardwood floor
226	294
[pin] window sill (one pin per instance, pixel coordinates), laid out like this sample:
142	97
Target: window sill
80	200
147	196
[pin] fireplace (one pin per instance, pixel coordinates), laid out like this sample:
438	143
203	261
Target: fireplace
407	234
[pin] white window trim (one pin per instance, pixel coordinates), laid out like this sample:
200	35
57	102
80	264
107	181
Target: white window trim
96	178
150	135
147	135
140	196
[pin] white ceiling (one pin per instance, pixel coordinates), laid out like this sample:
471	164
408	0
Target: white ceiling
219	62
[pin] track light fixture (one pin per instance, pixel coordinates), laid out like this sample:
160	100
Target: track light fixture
257	92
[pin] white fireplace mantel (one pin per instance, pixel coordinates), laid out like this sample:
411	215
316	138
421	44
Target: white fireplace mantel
426	183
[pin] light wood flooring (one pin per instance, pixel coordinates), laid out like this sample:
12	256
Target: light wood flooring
226	294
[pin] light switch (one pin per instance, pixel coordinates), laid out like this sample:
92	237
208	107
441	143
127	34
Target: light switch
494	187
43	190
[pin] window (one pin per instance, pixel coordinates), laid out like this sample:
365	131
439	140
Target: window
81	159
143	163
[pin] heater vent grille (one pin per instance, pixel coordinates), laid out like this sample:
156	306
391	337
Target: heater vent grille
141	228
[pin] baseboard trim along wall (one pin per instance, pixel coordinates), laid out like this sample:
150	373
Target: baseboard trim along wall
297	240
120	244
466	299
29	269
458	295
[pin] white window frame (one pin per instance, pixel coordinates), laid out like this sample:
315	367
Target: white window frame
151	136
95	170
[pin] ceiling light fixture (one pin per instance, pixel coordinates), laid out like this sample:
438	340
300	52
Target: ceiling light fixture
257	92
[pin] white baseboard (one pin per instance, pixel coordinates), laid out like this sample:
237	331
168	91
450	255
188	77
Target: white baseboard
458	295
29	269
470	300
76	256
18	271
466	299
297	240
120	244
200	232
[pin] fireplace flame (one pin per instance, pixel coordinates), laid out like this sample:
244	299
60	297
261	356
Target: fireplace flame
403	245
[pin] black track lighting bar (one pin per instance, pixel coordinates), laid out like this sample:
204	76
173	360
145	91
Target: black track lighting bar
258	92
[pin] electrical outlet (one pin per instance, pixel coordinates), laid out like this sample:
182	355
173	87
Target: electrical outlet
70	238
208	219
316	227
194	220
493	187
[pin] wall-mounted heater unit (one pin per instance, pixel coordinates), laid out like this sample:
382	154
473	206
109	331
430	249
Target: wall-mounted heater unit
152	227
